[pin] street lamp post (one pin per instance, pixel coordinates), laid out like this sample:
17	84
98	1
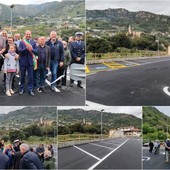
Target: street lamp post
158	45
12	6
101	123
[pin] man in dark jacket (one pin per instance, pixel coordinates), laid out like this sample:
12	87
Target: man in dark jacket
77	49
4	160
44	56
17	158
29	160
57	57
28	50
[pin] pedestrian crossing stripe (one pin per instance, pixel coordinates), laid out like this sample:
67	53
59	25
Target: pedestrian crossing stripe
87	69
114	65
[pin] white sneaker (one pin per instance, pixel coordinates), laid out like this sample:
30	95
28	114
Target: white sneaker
11	91
55	89
8	93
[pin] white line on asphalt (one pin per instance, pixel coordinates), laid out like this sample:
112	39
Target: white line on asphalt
153	62
165	89
111	143
101	146
101	160
87	152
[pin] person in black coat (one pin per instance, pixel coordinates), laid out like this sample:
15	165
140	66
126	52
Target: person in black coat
29	160
4	160
17	158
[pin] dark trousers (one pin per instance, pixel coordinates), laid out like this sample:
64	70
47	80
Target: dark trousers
42	74
61	71
1	63
30	70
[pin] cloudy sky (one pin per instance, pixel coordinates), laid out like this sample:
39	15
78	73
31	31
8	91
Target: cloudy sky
7	109
133	110
9	2
155	6
164	109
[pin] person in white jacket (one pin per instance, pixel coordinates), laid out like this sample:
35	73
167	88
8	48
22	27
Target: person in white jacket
11	67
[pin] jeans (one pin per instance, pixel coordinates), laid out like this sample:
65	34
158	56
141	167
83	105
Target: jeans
42	74
54	69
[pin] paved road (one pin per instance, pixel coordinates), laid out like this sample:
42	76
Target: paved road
155	161
138	85
70	97
120	153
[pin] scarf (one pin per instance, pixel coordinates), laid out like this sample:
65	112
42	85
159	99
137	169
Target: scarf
35	58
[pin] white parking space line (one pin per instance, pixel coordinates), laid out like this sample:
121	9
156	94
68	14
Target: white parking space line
97	163
166	91
86	152
111	143
101	146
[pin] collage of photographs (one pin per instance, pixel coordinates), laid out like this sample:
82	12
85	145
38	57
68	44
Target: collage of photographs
84	84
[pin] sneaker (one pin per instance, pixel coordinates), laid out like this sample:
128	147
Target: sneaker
55	89
17	75
39	90
11	91
8	93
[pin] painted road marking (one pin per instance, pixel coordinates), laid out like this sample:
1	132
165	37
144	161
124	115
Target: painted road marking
111	143
165	89
101	146
87	70
86	152
97	163
114	65
133	63
145	158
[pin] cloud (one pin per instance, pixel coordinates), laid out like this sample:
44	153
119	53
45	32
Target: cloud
26	1
7	109
154	6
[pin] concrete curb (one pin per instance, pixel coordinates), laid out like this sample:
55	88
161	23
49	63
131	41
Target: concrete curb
119	59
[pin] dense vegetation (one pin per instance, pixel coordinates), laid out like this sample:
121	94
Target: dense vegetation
113	43
120	19
154	124
83	121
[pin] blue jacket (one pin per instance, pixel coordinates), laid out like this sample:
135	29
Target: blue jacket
77	50
4	161
26	58
59	50
30	160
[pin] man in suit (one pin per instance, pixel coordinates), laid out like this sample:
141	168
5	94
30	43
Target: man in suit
28	50
77	49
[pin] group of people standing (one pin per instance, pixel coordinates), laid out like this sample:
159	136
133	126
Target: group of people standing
25	55
21	156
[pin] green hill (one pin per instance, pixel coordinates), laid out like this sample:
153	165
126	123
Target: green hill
154	123
110	120
27	116
51	11
120	19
